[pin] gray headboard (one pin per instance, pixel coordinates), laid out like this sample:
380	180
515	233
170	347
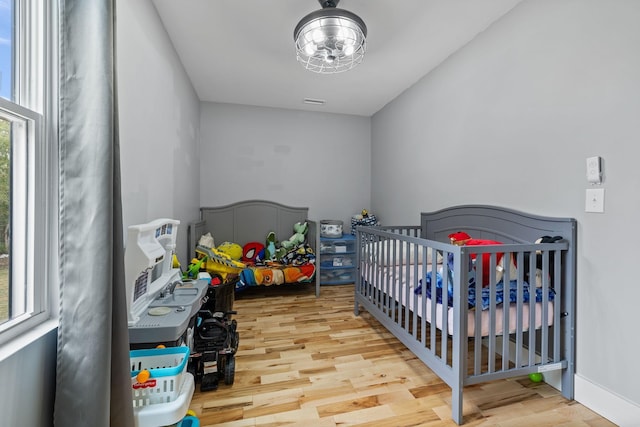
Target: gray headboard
495	223
250	221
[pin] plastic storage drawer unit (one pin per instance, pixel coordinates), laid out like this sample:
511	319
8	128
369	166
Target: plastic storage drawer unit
337	260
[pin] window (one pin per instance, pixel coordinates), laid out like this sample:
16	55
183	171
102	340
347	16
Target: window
28	181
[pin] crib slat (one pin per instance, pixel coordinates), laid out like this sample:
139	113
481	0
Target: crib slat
477	344
506	280
459	333
408	294
478	317
493	344
397	251
432	317
445	316
414	328
384	295
545	307
422	302
532	312
519	309
557	304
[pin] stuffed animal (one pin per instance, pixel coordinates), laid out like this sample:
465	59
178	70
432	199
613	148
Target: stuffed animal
461	238
252	252
270	247
234	250
539	261
207	241
268	276
299	236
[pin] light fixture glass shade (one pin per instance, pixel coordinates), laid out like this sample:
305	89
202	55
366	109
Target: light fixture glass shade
330	40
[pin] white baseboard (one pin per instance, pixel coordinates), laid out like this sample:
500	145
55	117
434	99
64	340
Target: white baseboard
606	403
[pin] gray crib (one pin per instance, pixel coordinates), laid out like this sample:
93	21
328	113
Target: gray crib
475	313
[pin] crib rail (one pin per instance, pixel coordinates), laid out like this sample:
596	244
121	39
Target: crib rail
464	343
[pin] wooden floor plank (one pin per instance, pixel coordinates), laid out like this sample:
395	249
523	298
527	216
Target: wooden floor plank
309	362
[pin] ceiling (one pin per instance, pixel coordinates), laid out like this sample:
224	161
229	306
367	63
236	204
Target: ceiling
242	51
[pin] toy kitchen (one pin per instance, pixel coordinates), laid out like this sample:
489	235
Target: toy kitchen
161	306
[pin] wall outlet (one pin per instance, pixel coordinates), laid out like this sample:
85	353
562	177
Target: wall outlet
594	200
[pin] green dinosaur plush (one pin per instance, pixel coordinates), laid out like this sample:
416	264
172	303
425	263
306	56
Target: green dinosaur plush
270	247
281	252
299	236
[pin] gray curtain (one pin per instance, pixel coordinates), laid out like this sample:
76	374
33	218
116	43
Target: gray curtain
92	373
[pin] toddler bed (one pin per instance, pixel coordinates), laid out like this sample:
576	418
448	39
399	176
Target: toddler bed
251	221
499	306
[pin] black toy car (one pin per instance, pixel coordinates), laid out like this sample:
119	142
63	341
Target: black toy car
215	336
215	343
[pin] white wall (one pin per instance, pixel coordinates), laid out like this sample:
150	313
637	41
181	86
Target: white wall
509	120
28	384
296	158
159	124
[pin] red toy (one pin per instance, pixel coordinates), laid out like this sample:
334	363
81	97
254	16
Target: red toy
461	238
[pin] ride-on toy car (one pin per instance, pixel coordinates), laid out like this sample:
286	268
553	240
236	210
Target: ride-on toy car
215	345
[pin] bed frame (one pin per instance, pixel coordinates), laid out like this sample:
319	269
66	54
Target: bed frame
458	357
249	221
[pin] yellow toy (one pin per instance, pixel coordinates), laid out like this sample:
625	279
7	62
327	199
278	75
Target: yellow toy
175	262
234	250
216	262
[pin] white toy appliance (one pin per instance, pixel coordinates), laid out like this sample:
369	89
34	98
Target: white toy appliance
161	307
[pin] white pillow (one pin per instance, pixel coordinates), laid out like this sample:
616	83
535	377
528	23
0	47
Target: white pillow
387	253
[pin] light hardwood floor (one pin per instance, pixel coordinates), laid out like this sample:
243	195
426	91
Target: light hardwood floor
309	362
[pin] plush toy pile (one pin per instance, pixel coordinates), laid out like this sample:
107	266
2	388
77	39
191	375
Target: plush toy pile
292	251
277	262
262	263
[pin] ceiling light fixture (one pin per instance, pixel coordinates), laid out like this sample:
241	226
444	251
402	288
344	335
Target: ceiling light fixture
330	40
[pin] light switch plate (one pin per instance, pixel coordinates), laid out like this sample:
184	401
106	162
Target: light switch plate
594	200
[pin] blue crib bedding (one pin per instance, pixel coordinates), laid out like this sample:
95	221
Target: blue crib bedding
485	293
